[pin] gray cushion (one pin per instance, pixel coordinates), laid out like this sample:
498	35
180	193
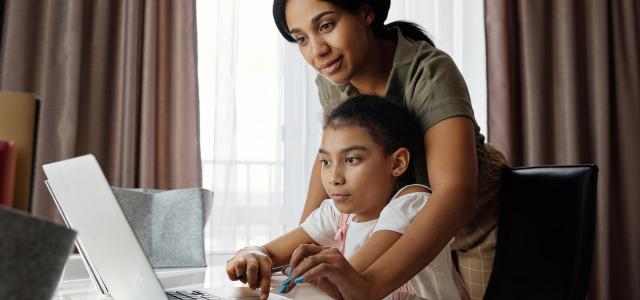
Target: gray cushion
168	224
32	255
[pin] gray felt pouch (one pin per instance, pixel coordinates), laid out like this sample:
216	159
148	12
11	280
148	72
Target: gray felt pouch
32	255
169	224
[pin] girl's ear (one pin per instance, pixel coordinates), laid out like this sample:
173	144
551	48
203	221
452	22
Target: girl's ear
400	161
367	13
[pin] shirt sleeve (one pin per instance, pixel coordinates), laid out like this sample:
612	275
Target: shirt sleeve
400	211
322	224
323	94
437	90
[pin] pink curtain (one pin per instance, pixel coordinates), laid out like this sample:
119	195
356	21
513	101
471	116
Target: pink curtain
117	78
564	88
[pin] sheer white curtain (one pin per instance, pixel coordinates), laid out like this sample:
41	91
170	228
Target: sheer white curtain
241	122
260	116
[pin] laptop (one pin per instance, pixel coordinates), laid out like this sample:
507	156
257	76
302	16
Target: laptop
110	250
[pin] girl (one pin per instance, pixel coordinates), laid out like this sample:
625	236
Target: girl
366	169
355	53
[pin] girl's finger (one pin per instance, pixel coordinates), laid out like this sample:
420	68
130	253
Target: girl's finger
265	278
253	267
240	266
231	270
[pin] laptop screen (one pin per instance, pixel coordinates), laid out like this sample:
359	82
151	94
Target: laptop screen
88	206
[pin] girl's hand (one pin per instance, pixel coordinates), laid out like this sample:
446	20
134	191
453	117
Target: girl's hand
252	265
329	270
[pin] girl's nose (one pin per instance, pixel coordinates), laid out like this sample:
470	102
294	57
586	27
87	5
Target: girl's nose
336	177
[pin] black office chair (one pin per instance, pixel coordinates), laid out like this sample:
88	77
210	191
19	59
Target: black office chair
546	233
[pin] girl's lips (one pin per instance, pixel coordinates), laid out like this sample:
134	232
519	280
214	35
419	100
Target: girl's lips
331	68
340	198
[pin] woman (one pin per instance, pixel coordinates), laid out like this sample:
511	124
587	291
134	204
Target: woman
355	53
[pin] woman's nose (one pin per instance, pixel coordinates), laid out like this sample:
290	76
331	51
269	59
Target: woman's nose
319	47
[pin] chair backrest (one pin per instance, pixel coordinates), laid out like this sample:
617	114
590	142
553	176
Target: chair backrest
545	234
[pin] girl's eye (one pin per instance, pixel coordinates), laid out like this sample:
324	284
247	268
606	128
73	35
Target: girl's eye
326	27
324	162
351	160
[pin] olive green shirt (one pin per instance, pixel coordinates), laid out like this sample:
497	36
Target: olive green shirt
423	79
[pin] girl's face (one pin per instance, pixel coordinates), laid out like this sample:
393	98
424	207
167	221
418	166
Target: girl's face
332	40
355	172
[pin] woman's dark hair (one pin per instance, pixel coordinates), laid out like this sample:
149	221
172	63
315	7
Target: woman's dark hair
379	7
390	125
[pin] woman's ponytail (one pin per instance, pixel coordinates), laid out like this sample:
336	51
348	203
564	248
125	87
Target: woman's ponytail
411	30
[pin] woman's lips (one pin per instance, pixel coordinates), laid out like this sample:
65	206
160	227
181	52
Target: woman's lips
340	198
331	67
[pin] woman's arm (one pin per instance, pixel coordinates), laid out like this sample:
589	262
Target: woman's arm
452	168
327	269
316	193
379	242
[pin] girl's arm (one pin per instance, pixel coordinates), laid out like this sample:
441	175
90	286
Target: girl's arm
253	265
280	249
379	242
316	193
452	168
375	247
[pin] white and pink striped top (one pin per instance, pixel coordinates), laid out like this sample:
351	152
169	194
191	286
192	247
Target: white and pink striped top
327	226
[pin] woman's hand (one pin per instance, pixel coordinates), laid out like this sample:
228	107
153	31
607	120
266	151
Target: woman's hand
252	265
329	270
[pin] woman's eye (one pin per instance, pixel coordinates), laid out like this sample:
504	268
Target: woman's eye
326	27
324	162
351	160
300	40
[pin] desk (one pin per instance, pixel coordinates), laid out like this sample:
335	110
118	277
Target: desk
76	284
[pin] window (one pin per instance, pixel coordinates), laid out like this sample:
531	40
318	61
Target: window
260	116
241	121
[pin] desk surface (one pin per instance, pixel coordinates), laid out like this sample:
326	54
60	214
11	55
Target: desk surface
76	284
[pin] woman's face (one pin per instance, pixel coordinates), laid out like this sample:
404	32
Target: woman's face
331	39
355	171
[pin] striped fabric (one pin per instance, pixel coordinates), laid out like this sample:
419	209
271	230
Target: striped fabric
474	245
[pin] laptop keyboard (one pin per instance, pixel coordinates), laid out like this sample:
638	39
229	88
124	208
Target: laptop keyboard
189	295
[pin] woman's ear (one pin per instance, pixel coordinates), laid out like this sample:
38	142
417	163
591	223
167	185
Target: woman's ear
400	160
367	13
